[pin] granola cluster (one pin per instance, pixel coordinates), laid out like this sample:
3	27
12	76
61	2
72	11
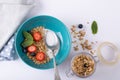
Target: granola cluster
79	40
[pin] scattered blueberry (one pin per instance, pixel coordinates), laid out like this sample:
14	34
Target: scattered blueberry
24	50
80	26
33	54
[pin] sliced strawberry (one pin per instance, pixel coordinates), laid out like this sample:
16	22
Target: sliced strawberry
37	36
31	48
40	56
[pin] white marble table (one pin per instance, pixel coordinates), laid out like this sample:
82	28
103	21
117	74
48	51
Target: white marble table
105	12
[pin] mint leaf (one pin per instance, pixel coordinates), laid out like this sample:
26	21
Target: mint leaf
28	39
27	35
27	43
94	27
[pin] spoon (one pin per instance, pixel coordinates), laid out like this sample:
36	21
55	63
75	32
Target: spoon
52	42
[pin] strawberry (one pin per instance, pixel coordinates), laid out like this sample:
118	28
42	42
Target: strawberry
31	48
40	56
37	36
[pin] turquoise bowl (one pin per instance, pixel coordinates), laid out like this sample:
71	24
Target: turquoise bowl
49	23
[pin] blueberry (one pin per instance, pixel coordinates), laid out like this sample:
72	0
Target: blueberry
24	50
33	54
85	65
80	26
29	31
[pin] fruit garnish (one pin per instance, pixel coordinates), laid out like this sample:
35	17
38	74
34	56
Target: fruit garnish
40	56
24	50
33	54
37	36
80	26
31	48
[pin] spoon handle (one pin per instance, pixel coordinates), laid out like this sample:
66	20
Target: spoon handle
57	76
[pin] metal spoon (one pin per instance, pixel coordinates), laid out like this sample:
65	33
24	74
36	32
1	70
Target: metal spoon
52	42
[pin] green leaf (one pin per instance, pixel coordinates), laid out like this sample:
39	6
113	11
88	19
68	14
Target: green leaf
27	43
94	27
27	35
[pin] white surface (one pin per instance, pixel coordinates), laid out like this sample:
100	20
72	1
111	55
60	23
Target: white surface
105	12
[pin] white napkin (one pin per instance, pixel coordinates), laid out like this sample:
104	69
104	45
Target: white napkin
12	12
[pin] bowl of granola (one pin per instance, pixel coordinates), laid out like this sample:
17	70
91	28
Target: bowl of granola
30	41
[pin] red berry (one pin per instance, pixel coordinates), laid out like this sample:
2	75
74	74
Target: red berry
31	48
37	36
40	56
